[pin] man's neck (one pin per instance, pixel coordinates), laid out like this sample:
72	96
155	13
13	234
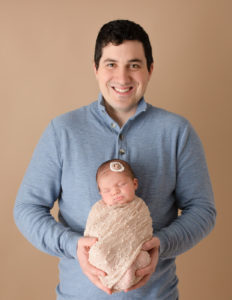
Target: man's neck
121	117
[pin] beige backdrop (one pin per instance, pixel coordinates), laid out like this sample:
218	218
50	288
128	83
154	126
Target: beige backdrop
46	60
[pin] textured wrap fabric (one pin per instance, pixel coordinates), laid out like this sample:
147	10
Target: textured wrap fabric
121	231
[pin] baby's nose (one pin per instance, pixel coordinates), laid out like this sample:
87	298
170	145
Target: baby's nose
115	191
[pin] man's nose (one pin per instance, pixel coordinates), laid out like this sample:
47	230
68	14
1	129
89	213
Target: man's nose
123	76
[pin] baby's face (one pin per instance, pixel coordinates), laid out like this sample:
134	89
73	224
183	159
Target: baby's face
117	188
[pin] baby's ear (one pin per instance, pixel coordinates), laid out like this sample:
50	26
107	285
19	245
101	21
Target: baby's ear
136	183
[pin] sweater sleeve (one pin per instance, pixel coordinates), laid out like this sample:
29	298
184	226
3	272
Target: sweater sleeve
40	188
194	198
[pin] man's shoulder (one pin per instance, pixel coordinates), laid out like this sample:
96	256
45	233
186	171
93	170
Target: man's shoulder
76	116
164	117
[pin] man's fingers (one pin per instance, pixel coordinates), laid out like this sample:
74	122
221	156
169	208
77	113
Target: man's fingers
144	271
88	269
154	242
139	284
152	246
87	242
99	284
95	271
93	274
154	253
84	244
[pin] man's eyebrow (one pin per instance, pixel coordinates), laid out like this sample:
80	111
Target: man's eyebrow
129	61
135	60
109	60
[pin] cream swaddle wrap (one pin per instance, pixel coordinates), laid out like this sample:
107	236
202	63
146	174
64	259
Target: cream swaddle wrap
121	231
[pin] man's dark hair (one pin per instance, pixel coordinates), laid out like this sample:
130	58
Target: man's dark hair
118	31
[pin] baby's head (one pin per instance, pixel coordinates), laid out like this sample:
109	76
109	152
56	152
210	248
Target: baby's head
116	182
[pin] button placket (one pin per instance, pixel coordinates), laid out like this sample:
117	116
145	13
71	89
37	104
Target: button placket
121	136
121	145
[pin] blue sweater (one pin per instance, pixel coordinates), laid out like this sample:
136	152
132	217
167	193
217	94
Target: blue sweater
168	160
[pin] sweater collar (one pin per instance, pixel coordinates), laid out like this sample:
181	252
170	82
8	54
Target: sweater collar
142	106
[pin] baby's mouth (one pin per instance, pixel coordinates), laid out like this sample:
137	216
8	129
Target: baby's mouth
118	198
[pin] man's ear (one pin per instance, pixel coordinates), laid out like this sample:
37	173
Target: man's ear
151	70
95	68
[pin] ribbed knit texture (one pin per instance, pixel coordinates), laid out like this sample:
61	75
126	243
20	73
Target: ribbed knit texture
168	160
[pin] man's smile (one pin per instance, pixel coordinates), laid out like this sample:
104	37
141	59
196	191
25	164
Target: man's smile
122	91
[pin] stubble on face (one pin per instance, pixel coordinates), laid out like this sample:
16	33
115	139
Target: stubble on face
123	77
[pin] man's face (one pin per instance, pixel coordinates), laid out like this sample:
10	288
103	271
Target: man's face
123	76
117	188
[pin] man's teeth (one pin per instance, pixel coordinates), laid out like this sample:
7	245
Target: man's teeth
121	90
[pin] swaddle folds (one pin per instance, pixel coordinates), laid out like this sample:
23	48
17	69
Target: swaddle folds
121	231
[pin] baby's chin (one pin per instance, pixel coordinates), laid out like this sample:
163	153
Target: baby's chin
118	201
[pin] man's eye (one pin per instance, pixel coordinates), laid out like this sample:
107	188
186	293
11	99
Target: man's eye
110	65
134	66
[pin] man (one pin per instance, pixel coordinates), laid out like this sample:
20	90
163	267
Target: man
163	150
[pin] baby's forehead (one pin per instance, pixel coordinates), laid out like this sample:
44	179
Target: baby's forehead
111	178
109	174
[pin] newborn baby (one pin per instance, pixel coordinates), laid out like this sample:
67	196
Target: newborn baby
121	221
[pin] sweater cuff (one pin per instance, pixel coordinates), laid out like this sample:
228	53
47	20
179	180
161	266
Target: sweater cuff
71	244
163	243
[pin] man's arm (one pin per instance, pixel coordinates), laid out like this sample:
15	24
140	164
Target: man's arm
194	197
39	190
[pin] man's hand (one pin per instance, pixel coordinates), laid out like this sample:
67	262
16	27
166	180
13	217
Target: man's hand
84	245
152	247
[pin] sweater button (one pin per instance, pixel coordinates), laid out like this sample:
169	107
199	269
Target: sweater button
122	151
